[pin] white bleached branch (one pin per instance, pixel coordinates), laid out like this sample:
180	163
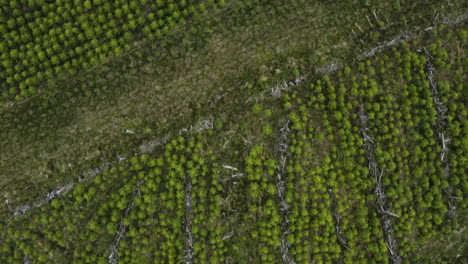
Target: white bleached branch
114	249
282	147
338	231
385	214
441	122
228	235
233	170
278	89
230	167
189	241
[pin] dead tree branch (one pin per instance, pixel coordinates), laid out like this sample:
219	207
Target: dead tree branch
338	231
278	89
283	150
188	257
386	216
441	123
114	249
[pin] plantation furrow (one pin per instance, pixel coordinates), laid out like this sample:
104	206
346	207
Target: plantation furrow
26	260
187	224
208	242
195	128
441	108
338	230
263	208
157	229
446	57
386	217
400	128
198	127
412	34
313	238
122	228
283	150
441	129
73	215
342	131
20	210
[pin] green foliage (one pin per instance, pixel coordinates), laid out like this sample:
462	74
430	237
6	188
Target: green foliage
267	130
45	41
257	109
186	196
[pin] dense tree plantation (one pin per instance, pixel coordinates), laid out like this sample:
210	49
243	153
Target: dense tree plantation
309	158
44	39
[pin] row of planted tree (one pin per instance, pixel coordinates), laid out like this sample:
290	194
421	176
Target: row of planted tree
42	40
